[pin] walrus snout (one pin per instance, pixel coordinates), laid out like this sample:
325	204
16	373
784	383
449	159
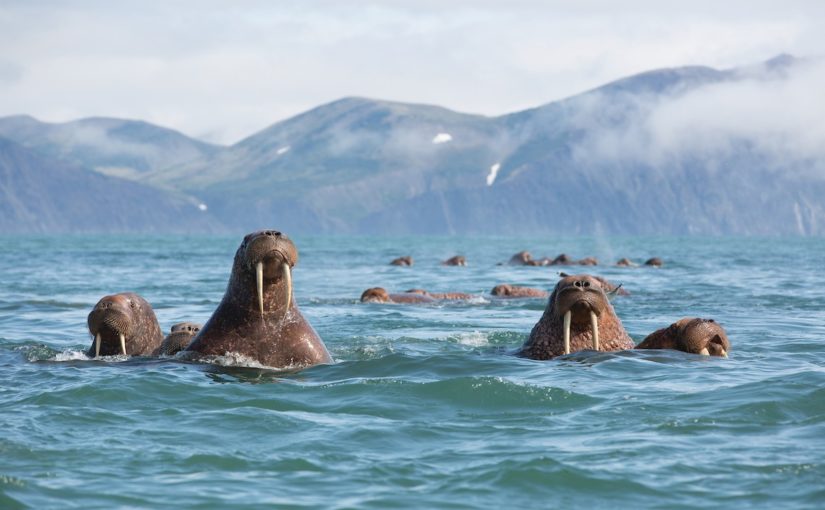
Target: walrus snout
110	322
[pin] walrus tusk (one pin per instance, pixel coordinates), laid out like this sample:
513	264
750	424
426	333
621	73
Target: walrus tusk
567	316
97	345
724	353
594	323
288	280
259	276
123	344
705	352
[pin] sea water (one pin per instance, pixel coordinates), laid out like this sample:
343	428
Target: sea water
425	406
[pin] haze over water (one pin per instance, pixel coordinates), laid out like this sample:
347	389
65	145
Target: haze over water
425	407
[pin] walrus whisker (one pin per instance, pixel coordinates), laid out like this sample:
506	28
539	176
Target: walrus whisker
614	291
567	316
594	323
259	276
288	281
123	344
97	345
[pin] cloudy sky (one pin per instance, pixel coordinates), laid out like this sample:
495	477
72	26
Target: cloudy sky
223	70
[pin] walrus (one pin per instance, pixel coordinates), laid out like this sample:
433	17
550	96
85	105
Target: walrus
693	335
521	258
578	316
608	287
258	317
123	324
380	295
626	262
654	262
402	261
178	338
457	260
441	295
588	261
506	290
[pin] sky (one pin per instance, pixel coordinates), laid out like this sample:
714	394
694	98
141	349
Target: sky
220	71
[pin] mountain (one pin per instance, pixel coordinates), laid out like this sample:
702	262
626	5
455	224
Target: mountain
42	195
122	148
690	150
324	169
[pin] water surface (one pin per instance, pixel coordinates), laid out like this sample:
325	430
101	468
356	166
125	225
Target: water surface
425	407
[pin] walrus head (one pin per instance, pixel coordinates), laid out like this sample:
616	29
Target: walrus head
375	295
690	334
178	338
114	320
578	316
264	262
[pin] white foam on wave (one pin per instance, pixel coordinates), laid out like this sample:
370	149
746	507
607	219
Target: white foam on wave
442	138
491	177
72	355
283	150
202	206
236	359
473	339
478	300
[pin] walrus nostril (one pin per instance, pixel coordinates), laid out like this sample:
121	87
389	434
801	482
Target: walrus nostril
585	284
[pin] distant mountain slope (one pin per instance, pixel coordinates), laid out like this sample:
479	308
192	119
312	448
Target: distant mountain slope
323	169
123	148
690	150
41	195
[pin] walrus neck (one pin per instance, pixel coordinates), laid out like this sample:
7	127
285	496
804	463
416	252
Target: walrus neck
242	293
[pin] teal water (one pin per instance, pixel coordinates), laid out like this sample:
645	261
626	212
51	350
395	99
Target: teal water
425	407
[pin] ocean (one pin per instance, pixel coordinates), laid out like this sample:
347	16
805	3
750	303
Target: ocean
425	406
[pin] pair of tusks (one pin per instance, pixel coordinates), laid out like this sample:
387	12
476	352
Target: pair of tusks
122	345
259	277
594	325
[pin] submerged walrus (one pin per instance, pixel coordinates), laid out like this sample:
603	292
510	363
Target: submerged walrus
578	316
257	317
506	290
694	335
402	261
178	338
458	260
123	324
380	295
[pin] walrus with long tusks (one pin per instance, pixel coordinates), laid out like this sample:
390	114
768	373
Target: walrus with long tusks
178	338
123	324
258	317
578	316
693	335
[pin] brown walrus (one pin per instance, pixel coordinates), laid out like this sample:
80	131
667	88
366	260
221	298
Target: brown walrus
441	295
626	262
694	335
514	291
380	295
609	287
578	316
258	317
178	338
123	324
458	260
402	261
654	262
521	258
